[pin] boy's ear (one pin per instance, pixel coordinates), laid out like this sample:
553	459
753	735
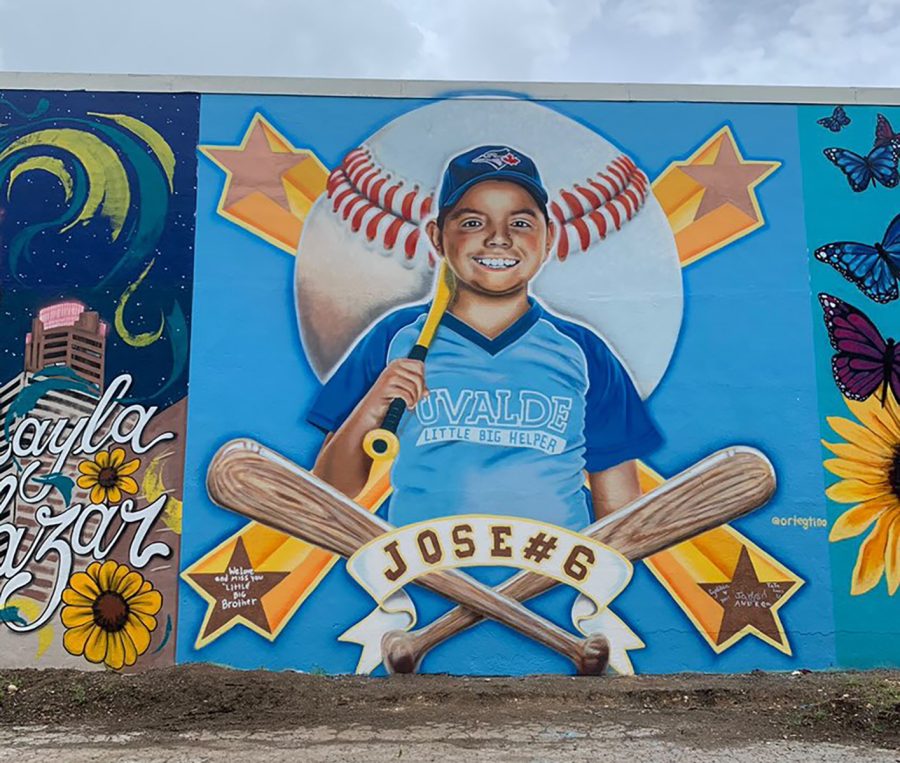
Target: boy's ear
551	238
434	235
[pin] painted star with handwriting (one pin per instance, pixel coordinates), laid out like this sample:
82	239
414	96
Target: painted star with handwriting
236	593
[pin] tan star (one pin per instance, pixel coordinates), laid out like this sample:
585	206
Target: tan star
747	601
730	179
254	167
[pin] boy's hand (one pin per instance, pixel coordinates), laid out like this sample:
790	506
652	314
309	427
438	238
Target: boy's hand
401	378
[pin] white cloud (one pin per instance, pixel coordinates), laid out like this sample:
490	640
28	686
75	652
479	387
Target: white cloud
837	42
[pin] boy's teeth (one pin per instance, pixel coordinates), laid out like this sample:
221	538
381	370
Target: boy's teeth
496	262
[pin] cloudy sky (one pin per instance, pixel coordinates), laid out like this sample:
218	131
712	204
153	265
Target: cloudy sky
812	42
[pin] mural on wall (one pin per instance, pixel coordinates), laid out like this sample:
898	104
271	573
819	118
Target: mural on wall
481	384
96	242
532	349
854	236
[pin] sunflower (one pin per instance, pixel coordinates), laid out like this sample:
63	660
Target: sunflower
869	465
109	614
107	476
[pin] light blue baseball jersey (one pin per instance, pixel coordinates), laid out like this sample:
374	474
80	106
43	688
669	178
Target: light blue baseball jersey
510	424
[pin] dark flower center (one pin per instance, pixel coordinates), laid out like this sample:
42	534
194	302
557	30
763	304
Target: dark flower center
110	611
894	472
107	477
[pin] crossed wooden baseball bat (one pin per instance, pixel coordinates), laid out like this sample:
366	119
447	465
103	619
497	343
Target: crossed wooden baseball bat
256	482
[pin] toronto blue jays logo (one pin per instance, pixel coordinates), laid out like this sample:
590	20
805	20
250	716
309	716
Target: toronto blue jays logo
498	158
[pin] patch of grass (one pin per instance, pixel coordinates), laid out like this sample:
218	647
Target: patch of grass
79	695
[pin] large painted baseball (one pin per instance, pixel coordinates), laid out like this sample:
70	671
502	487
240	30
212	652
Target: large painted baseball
364	251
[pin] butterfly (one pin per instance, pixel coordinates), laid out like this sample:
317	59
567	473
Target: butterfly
874	269
879	166
837	121
864	360
884	133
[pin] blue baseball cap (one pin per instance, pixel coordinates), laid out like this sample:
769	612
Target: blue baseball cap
489	163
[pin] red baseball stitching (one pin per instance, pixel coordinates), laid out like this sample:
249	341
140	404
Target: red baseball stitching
389	211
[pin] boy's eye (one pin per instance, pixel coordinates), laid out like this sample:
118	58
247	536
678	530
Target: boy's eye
521	223
470	223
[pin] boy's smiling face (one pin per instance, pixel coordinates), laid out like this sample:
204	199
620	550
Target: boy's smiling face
495	238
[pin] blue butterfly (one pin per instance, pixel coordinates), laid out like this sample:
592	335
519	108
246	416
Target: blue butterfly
837	121
874	269
879	166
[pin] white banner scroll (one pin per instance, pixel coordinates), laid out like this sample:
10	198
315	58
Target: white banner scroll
393	560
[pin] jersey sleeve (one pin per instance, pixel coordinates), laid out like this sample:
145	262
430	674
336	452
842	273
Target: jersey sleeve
352	379
618	427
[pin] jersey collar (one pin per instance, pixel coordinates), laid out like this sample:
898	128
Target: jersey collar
503	340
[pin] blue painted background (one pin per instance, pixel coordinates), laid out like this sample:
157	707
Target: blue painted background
743	373
866	626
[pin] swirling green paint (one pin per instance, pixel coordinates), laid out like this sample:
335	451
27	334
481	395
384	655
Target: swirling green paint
108	189
136	340
20	245
48	164
152	191
151	137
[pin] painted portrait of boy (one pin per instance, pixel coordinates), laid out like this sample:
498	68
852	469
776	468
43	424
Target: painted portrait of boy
515	404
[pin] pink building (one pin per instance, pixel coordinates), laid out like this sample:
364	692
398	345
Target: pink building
67	334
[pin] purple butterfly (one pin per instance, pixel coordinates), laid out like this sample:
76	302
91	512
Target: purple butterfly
864	360
837	121
884	134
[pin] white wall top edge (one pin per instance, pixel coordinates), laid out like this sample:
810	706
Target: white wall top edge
385	88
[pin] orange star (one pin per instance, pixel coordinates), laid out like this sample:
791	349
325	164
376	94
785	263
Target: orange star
254	167
729	179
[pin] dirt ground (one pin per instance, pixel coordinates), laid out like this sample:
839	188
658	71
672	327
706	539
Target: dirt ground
205	713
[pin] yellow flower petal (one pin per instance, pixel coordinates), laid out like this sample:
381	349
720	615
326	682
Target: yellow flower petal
873	473
98	494
75	617
148	603
131	652
107	571
89	467
138	634
892	556
96	645
85	584
116	457
118	576
102	459
86	481
115	651
74	639
130	468
870	561
875	417
130	584
148	621
853	453
93	569
127	485
891	412
858	435
858	519
115	495
853	491
74	598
